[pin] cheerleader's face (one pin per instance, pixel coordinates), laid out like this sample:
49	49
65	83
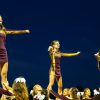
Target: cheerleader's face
56	45
38	89
66	92
87	92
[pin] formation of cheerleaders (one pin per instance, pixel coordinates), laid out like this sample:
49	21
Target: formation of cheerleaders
55	55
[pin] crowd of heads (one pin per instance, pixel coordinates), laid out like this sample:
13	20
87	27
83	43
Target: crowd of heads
19	91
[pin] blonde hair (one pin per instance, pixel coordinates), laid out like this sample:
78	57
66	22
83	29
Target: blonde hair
35	88
20	90
50	48
85	91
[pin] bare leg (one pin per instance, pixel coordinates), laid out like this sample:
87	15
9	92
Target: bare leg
0	67
4	71
60	85
51	80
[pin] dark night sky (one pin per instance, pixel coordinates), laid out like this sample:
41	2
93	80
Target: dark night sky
75	23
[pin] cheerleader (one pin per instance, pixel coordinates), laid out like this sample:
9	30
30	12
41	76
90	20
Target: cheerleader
3	51
97	55
55	71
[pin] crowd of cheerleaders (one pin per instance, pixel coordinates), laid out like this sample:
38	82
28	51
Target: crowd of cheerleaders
19	91
54	52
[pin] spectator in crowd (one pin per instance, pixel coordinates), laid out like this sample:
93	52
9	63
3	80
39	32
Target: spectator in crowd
86	94
20	89
73	94
39	93
66	92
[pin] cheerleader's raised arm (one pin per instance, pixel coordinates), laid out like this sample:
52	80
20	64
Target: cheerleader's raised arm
70	54
17	31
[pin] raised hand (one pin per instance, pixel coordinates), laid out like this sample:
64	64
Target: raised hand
27	31
78	52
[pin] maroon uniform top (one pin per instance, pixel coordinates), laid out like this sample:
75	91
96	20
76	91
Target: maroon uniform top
2	41
57	67
3	52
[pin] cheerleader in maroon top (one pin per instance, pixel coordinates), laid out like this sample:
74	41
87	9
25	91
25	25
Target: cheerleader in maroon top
55	71
3	51
97	55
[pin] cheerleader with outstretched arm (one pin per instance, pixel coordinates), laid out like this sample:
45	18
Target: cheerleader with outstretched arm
97	55
3	51
55	71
